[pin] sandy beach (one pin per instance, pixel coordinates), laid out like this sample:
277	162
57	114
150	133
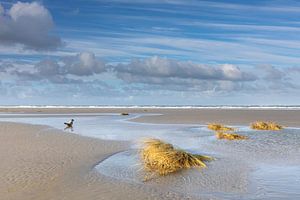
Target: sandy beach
149	99
40	162
286	117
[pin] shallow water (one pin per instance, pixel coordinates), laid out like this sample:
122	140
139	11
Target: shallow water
267	166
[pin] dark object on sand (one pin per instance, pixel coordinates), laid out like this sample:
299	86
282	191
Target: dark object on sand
124	113
69	124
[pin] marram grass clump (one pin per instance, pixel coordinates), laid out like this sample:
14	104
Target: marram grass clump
230	136
162	158
222	132
261	125
219	127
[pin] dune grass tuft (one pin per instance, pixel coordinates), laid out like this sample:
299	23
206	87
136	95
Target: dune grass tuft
261	125
230	136
162	158
225	132
219	127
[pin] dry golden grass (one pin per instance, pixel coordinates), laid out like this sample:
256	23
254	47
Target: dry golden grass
230	136
222	132
219	127
162	158
260	125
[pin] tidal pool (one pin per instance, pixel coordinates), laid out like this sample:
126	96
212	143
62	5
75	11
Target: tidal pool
266	166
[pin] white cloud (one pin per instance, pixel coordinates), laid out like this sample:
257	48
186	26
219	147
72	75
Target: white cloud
156	73
33	10
58	71
232	72
91	75
83	64
28	24
157	67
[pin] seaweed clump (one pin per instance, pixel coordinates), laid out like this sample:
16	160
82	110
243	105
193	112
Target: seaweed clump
261	125
124	113
162	158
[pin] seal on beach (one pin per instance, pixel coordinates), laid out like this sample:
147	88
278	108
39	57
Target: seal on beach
69	124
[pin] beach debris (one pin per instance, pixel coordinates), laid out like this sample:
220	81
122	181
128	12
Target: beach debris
261	125
230	136
162	158
219	127
69	125
124	113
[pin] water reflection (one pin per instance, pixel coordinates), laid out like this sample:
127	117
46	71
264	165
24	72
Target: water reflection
267	166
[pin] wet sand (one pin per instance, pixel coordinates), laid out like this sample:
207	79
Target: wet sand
227	116
39	162
184	116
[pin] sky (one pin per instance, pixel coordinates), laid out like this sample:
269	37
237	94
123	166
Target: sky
150	52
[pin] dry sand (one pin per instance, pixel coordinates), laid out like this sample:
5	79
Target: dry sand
39	162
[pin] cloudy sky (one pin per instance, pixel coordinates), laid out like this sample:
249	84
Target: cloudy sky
142	52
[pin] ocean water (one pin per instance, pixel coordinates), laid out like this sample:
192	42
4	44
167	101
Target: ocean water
277	107
267	166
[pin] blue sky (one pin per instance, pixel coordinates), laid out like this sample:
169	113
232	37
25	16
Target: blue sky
122	52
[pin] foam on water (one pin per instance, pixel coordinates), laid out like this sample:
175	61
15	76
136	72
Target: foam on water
266	166
264	107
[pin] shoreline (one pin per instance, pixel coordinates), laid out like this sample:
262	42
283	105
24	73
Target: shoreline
180	116
287	107
40	162
224	116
